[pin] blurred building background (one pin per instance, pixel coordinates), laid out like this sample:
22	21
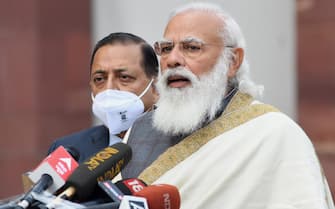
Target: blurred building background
316	78
45	48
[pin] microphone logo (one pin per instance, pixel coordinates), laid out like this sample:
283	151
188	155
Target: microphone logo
136	204
59	165
167	201
134	185
100	157
132	202
63	165
113	171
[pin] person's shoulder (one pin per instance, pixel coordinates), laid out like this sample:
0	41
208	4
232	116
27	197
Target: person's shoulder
144	119
146	116
78	137
95	130
281	125
281	119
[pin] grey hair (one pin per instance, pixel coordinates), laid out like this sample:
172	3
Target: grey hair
231	34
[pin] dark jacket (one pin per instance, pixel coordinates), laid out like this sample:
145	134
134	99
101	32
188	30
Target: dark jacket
86	142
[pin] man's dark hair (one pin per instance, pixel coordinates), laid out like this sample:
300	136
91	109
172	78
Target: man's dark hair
149	59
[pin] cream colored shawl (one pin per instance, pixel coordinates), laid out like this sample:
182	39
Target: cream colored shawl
250	157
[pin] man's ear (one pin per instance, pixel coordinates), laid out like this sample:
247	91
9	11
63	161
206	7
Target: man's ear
236	61
154	89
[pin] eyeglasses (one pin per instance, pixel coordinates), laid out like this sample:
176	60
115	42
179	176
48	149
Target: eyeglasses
189	47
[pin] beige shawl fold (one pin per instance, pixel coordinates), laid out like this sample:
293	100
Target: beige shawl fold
239	110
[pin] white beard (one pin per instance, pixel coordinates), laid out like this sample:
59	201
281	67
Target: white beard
183	110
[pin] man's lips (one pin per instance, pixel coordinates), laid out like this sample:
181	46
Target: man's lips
177	81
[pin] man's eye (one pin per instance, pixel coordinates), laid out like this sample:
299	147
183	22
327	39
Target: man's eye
125	77
167	49
98	79
192	47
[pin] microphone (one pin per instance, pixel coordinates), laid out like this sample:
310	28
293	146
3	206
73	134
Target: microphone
128	202
131	186
117	190
49	174
73	152
160	196
133	193
59	165
42	184
104	165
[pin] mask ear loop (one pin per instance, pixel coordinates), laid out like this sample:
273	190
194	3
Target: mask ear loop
146	89
92	97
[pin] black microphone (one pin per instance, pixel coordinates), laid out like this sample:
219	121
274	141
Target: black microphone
43	183
104	165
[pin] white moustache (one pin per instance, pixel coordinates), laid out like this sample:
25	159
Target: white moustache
179	72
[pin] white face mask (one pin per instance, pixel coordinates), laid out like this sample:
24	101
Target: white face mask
118	109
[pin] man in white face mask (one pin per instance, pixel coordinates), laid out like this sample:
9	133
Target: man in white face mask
122	70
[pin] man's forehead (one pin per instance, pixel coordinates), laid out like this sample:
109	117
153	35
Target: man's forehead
184	39
196	24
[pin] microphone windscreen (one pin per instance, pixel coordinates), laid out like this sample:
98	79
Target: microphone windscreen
102	166
161	196
130	186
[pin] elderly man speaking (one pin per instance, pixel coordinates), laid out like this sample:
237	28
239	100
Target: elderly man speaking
210	136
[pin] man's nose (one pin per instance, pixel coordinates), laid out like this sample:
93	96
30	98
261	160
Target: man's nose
112	84
175	58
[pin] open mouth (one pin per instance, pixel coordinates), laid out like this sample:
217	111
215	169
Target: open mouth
177	81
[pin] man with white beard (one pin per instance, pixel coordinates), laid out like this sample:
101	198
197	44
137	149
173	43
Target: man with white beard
209	136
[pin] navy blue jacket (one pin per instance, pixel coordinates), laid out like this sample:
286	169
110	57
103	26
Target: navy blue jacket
87	142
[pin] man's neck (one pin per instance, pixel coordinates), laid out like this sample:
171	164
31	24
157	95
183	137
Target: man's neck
122	134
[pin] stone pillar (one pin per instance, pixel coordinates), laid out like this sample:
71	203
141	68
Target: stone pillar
316	68
44	75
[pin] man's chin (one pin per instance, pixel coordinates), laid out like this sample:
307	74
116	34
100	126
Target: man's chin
179	114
